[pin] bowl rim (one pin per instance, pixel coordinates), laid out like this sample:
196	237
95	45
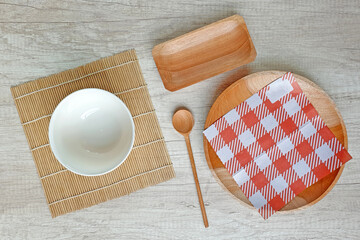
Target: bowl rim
51	134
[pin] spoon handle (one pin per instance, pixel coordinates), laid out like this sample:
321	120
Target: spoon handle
201	202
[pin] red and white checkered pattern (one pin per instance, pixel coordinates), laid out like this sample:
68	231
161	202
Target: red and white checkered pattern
275	145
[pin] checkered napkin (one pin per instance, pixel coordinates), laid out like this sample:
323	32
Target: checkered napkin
275	145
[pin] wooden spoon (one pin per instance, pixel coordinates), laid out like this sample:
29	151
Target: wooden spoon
183	122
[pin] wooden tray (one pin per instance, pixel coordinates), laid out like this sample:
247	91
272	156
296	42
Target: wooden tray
243	89
203	53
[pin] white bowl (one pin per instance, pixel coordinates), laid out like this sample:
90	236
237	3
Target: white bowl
91	132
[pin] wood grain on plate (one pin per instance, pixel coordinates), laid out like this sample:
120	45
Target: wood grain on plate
243	89
203	53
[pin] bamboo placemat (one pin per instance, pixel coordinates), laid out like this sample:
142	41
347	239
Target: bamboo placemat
148	162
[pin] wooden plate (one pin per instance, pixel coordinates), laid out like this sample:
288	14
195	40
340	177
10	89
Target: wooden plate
243	89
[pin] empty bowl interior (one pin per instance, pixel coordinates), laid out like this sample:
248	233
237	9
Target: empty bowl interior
91	132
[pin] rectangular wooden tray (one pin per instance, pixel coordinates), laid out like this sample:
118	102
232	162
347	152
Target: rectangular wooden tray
203	53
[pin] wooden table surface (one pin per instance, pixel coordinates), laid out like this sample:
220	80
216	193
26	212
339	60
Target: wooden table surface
317	39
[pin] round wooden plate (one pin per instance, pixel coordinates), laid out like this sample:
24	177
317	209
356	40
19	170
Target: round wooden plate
243	89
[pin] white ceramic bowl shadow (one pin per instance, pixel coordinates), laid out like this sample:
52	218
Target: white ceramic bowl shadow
91	132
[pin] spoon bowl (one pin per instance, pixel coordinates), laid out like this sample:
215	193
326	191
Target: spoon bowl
183	121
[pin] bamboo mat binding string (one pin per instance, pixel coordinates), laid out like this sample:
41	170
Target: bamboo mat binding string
148	162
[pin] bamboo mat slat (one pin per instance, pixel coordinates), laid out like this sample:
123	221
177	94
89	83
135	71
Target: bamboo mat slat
148	163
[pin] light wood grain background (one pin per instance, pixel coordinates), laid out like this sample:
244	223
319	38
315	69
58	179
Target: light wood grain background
317	39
